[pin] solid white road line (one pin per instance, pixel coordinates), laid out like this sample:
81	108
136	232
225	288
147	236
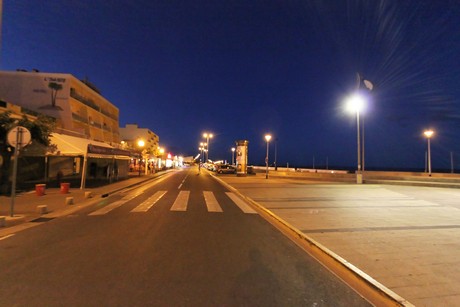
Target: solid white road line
180	204
147	204
109	208
211	202
7	236
240	203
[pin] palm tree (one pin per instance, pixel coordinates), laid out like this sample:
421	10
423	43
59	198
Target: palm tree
55	87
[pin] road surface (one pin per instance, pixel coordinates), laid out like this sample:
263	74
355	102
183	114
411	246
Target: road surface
182	240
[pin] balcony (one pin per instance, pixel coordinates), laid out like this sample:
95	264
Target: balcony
79	118
90	103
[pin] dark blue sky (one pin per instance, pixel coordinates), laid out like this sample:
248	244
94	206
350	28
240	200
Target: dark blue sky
240	69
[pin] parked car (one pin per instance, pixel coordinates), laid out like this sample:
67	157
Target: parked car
226	169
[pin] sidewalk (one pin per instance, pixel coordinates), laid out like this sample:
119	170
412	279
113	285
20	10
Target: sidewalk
405	237
26	207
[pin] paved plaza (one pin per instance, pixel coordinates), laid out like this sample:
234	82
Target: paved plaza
405	237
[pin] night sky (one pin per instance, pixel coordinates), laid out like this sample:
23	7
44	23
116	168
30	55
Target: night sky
240	69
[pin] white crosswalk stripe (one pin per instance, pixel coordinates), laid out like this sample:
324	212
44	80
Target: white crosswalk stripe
108	208
211	202
147	204
240	203
181	201
116	204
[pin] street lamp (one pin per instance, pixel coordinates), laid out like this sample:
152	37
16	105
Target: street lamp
233	155
207	136
428	134
267	138
355	104
369	86
141	145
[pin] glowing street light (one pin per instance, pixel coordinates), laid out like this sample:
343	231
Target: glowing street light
207	136
428	134
233	155
267	138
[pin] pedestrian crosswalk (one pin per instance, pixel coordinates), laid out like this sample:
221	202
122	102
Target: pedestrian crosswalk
180	204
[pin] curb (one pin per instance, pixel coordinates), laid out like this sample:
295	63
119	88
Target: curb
376	293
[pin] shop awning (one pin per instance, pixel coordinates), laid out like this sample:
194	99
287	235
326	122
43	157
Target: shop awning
68	145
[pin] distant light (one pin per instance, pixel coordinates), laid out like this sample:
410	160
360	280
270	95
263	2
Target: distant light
355	103
141	143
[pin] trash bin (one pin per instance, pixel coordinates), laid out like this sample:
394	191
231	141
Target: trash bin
40	189
65	186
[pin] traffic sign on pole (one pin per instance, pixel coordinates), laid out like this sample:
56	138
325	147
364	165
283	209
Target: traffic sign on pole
18	137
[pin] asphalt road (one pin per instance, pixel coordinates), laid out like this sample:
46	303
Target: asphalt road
178	241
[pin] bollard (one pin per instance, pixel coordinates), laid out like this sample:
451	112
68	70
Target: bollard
65	186
40	189
42	209
69	200
88	194
2	221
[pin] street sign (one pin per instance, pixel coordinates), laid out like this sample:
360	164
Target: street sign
19	137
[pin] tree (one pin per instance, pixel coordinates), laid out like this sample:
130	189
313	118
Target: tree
40	130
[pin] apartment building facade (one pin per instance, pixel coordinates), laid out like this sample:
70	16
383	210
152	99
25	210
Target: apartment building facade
78	106
131	134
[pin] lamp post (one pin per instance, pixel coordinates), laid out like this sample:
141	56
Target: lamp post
141	145
276	153
355	104
428	134
207	136
201	149
368	84
233	155
267	138
160	159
